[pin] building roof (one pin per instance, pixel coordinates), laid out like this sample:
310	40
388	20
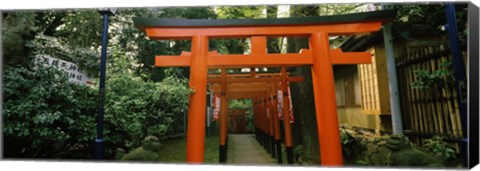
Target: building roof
384	16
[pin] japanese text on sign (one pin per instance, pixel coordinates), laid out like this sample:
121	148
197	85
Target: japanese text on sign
73	72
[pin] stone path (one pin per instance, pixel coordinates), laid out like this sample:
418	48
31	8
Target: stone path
243	149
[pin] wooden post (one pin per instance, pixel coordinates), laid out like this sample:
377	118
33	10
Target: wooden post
272	125
265	121
271	138
256	119
196	112
223	117
325	104
275	123
286	117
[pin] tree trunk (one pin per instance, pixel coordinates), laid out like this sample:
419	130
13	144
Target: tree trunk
304	130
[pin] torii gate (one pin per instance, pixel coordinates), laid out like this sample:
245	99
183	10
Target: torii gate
264	89
319	55
250	86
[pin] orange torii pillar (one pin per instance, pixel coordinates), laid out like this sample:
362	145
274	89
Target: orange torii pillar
268	122
276	123
261	130
319	56
223	117
271	125
256	119
286	117
196	106
264	122
263	116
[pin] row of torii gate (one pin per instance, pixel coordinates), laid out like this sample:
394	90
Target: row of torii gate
259	88
263	90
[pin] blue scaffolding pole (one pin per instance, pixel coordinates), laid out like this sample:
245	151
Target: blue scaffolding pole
460	77
99	153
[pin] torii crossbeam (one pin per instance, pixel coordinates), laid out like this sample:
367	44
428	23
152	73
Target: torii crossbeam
319	55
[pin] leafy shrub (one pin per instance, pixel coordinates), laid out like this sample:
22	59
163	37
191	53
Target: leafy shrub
135	108
347	142
45	115
442	150
425	79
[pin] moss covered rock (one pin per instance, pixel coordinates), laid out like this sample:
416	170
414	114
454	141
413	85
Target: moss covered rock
119	153
414	157
147	152
390	150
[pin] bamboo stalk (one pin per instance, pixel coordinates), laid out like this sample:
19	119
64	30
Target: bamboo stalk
406	114
429	97
415	104
450	104
437	99
416	97
410	104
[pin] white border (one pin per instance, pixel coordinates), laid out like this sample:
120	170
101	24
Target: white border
8	5
77	4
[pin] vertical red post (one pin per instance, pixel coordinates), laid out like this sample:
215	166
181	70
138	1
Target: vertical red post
325	103
197	104
286	117
256	119
271	120
223	116
259	44
275	123
267	121
264	121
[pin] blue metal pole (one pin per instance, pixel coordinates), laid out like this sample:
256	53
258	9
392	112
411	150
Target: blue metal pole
396	112
460	76
99	145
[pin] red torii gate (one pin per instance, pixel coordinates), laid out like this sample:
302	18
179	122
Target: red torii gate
262	86
264	89
319	56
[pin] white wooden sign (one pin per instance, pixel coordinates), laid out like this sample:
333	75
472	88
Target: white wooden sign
74	73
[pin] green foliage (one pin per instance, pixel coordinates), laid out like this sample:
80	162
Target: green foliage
137	107
240	12
85	58
236	46
239	104
420	13
347	140
81	28
45	115
442	150
428	18
244	104
425	79
138	46
18	28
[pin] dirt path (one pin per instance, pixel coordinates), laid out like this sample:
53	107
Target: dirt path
244	150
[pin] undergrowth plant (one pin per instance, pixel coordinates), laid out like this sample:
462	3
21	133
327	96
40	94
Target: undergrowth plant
440	148
424	79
